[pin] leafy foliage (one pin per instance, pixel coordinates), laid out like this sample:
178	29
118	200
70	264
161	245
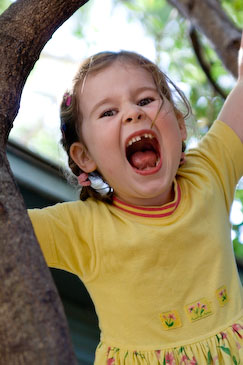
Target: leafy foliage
234	8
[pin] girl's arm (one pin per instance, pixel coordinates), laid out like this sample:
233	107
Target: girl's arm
232	111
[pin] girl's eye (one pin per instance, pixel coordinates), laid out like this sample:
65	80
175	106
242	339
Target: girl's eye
108	113
145	101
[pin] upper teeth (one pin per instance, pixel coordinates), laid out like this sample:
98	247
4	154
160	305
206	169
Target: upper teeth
138	138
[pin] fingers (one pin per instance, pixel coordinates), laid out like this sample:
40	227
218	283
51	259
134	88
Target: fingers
240	59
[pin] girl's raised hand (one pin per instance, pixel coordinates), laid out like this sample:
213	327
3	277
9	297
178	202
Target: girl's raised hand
240	60
232	111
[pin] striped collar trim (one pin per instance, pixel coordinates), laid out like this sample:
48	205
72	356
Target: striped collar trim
151	212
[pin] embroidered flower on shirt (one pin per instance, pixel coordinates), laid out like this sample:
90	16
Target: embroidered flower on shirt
222	295
198	309
170	319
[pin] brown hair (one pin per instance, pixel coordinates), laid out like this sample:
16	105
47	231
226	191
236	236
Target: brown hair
71	115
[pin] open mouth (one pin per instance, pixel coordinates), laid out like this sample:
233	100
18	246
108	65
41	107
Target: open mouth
142	152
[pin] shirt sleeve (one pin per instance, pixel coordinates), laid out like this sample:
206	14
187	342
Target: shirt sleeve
63	232
220	152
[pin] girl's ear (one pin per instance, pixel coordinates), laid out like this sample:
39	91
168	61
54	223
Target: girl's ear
82	158
182	124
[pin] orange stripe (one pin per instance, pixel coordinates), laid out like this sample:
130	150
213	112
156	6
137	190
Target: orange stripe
146	215
151	209
156	212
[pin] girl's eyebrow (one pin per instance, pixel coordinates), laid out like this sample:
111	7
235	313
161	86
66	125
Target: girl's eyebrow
146	88
100	103
108	99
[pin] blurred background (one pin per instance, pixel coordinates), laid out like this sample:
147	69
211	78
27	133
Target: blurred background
153	28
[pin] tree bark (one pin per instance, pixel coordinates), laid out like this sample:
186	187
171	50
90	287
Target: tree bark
209	17
33	328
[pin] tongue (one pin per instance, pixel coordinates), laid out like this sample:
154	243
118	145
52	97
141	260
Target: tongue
142	160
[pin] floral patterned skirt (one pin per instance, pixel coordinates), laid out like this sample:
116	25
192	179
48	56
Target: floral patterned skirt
225	348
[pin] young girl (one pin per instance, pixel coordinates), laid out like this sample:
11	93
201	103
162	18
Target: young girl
154	249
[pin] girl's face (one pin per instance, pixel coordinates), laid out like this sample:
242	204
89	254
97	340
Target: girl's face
118	106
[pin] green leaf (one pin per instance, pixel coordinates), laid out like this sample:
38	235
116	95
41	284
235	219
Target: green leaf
225	349
210	359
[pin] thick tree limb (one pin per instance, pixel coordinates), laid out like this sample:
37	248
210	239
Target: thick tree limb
209	17
33	329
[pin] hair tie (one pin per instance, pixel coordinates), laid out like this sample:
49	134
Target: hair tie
83	179
68	99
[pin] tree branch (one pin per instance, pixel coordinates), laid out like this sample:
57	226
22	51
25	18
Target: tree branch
203	62
209	17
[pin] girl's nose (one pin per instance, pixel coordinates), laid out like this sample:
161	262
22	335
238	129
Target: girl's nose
133	115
